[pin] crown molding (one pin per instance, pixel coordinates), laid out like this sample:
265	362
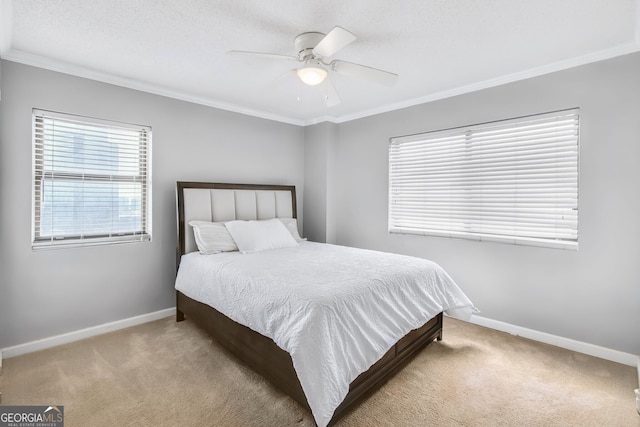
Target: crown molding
58	66
6	52
74	70
602	55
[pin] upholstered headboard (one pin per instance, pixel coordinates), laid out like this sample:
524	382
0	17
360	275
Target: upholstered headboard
220	202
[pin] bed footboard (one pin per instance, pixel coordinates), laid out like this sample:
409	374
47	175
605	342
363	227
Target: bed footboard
258	352
263	356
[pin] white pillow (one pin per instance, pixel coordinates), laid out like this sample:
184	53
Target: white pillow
258	236
292	226
212	237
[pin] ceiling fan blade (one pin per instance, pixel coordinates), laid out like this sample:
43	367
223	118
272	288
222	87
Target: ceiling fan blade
333	42
263	55
363	72
331	98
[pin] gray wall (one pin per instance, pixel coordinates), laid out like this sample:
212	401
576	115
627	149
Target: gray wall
592	295
320	143
47	293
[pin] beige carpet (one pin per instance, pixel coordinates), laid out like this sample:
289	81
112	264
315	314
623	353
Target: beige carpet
170	374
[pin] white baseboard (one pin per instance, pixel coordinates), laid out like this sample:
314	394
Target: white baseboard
580	347
569	344
83	333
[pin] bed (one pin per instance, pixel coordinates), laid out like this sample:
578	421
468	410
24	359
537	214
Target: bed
289	282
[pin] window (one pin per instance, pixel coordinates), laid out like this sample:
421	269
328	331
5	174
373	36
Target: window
91	181
513	180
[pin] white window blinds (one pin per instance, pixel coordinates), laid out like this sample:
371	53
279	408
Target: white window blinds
514	180
91	181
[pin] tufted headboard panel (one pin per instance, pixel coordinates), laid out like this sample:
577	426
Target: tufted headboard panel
220	202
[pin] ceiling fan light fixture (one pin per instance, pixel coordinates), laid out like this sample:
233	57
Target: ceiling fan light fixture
312	75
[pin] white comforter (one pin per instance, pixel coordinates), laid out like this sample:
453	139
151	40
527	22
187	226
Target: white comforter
335	309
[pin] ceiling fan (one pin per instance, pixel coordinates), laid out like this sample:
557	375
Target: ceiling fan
314	50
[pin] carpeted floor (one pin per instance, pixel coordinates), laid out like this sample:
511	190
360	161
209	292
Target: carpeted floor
165	373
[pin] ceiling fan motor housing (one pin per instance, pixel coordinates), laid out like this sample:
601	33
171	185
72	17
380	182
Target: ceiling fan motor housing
305	43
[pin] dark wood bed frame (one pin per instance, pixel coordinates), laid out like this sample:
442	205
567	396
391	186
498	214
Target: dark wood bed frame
267	359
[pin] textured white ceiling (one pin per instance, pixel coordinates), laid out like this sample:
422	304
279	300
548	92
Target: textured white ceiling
438	47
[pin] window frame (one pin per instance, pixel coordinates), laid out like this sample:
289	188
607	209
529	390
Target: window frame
40	174
563	239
